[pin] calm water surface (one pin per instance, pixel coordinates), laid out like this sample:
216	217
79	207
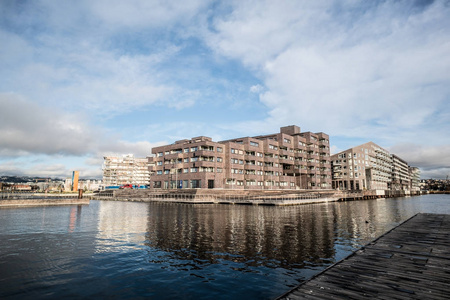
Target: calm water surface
159	250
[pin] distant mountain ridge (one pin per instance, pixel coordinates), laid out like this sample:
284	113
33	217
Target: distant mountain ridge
25	179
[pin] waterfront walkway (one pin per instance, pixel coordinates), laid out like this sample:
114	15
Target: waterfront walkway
412	261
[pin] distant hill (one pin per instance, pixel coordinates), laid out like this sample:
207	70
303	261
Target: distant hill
24	179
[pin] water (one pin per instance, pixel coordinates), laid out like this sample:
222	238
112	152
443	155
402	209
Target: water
163	251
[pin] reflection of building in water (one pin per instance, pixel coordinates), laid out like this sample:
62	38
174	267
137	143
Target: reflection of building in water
254	234
121	223
75	217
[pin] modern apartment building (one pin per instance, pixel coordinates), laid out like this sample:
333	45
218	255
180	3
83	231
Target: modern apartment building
414	174
400	175
126	169
369	166
286	160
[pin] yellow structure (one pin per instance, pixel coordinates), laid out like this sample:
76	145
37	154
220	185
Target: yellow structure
75	181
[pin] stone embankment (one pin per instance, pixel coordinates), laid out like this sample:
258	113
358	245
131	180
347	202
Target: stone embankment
251	197
9	199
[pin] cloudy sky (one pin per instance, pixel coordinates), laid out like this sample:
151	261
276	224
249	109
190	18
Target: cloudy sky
84	79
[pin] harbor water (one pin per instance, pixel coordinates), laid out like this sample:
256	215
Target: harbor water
131	250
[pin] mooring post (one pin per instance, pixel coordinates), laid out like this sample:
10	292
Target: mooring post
80	194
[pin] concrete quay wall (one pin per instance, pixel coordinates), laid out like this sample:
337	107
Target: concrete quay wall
43	202
249	197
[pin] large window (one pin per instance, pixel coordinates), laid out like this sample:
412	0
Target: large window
195	184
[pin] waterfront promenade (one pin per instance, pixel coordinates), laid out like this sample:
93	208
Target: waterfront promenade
412	261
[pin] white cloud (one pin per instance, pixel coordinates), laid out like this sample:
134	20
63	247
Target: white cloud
27	128
426	157
139	14
345	68
256	88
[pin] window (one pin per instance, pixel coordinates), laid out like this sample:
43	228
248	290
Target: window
219	149
160	154
254	144
185	170
195	184
159	163
167	153
194	159
166	171
159	172
194	170
157	184
186	150
219	159
219	170
193	149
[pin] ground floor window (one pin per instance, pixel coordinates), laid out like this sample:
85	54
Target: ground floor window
195	183
157	184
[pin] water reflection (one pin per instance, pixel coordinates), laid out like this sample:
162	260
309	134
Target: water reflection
120	226
75	218
287	237
162	250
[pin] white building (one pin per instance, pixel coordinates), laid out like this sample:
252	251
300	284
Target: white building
126	169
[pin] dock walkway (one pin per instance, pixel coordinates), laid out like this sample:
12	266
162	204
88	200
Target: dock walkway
412	261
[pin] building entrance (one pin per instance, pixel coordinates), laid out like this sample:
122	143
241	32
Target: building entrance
210	184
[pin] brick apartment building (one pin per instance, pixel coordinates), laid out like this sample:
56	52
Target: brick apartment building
286	160
369	166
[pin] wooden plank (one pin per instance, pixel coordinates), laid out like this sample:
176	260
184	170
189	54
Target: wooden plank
412	261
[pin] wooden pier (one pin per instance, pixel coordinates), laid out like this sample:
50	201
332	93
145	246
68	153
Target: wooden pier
412	261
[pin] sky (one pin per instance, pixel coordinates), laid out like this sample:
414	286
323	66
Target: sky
84	79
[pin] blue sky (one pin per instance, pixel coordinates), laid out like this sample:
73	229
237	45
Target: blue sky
84	79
